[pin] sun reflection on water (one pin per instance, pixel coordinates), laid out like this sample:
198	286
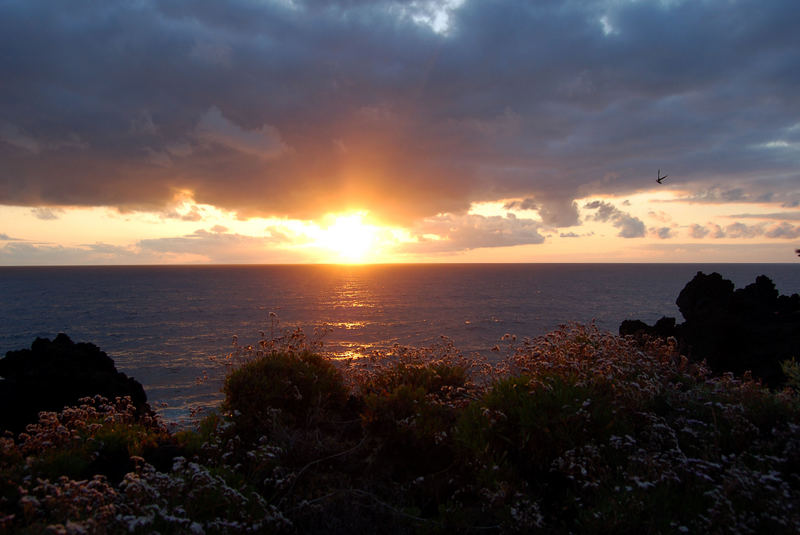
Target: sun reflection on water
352	293
348	325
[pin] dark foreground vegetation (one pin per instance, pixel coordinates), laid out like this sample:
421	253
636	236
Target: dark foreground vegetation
577	431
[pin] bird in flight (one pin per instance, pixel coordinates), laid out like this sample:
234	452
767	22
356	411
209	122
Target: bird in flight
660	178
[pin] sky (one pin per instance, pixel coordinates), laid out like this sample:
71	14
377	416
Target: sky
324	131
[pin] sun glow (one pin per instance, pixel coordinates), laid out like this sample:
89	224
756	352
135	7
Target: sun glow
350	237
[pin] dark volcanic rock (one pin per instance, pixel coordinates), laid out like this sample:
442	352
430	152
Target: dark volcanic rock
52	375
752	328
663	328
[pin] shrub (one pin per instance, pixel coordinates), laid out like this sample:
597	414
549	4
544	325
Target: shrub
61	472
523	425
192	499
402	423
298	388
577	431
791	369
97	437
410	407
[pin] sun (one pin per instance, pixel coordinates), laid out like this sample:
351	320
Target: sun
350	237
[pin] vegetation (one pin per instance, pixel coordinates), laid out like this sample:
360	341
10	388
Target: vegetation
576	431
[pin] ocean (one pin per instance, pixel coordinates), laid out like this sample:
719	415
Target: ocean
161	324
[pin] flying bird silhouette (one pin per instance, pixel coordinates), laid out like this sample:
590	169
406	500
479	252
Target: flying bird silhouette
660	178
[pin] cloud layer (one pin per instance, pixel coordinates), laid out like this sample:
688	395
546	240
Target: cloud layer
628	225
401	108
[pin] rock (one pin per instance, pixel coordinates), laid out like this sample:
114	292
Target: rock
663	328
54	374
705	296
634	328
752	328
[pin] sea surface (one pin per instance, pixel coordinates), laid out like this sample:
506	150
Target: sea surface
161	324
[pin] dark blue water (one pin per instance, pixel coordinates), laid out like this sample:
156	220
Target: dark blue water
161	324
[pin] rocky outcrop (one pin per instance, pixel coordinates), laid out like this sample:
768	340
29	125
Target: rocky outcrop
54	374
752	328
663	328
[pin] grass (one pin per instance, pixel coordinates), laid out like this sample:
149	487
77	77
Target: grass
576	431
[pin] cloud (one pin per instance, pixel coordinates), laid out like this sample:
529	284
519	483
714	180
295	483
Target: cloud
660	216
569	235
721	252
217	245
25	253
734	230
739	230
13	136
45	214
220	246
628	225
215	53
524	204
142	123
404	108
192	215
558	212
605	211
662	233
783	231
794	216
264	142
716	231
698	231
449	233
776	191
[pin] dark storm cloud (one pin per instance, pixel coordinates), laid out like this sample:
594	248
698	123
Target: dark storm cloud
293	109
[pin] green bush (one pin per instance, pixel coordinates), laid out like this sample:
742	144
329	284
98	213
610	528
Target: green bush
433	378
295	389
791	369
524	425
407	410
97	437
